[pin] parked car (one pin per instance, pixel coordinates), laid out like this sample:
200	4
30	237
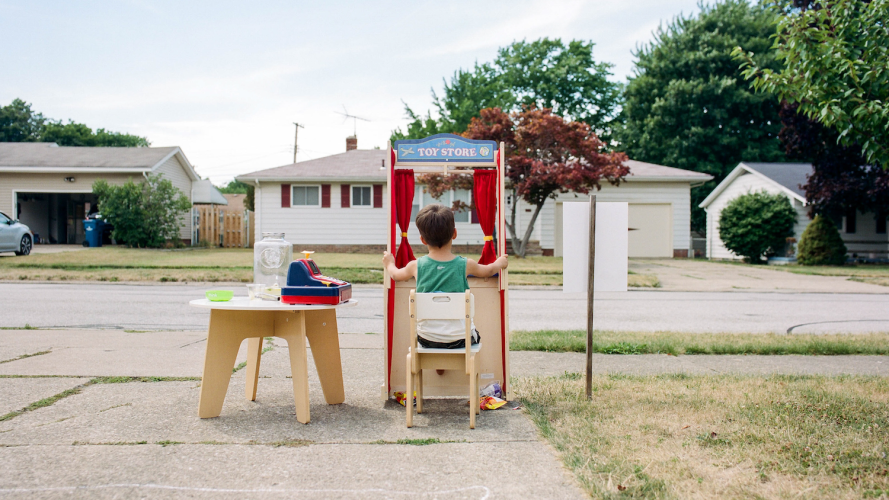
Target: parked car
14	236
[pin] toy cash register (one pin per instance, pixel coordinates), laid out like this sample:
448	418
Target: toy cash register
306	285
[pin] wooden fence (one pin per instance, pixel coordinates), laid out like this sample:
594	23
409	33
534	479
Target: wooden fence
219	227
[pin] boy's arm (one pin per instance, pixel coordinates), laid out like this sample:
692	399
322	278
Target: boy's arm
405	273
483	271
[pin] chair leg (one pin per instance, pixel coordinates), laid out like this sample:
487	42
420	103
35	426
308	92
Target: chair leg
478	409
419	390
473	396
408	393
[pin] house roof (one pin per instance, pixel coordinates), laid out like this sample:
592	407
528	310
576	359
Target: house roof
50	157
366	165
354	165
641	171
790	175
787	177
203	191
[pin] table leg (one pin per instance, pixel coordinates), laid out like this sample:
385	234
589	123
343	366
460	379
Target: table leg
324	341
223	342
292	328
254	356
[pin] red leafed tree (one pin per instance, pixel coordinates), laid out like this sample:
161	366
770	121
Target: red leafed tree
545	155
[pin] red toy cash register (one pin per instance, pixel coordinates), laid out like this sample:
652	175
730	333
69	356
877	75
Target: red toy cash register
306	285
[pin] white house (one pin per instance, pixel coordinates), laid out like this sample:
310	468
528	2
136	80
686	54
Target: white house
659	199
49	188
864	233
340	202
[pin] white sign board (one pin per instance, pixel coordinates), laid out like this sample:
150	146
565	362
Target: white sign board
612	243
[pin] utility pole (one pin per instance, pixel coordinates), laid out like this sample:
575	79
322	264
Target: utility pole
295	136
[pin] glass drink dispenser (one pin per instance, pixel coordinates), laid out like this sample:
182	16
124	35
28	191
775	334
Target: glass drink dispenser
271	260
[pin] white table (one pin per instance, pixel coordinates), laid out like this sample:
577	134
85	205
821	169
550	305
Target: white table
240	318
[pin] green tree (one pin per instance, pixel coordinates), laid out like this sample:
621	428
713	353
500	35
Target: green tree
821	244
146	214
833	55
19	123
546	155
687	105
238	187
544	73
757	224
78	134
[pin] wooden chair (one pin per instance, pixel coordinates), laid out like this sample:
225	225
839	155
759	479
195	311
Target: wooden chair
441	306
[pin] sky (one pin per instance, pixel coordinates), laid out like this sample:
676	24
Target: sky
225	81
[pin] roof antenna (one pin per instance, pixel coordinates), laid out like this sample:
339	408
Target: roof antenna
354	120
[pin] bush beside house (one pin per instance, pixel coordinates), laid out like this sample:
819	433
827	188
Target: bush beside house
821	244
757	224
144	214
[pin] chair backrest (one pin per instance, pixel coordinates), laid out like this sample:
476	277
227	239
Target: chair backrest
443	305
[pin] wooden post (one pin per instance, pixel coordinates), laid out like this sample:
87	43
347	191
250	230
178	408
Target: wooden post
589	303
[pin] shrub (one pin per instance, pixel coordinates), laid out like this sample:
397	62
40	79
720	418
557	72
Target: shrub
821	244
757	224
145	214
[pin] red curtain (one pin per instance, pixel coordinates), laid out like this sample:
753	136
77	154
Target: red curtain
484	193
404	200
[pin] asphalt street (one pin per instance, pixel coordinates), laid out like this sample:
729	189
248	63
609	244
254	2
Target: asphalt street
165	307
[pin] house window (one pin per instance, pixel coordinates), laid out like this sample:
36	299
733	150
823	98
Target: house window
306	196
362	196
415	208
850	221
421	199
881	223
464	196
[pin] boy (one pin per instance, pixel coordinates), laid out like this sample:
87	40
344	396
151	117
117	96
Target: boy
441	271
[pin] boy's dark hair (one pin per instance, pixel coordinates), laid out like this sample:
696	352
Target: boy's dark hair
436	224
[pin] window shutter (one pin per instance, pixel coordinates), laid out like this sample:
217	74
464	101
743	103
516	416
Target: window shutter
344	195
474	216
325	195
285	195
378	196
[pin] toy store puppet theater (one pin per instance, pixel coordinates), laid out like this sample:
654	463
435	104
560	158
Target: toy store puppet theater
448	154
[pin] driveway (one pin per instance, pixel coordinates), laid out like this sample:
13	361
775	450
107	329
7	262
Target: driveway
700	275
41	249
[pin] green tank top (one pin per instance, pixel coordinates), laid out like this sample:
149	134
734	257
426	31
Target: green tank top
447	277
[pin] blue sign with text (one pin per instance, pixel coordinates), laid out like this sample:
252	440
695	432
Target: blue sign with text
445	148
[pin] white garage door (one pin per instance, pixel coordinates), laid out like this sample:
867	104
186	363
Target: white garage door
651	230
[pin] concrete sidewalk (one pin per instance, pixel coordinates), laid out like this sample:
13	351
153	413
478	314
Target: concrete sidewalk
125	439
129	439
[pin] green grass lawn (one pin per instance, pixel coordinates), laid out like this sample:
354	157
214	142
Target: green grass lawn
235	265
721	436
699	343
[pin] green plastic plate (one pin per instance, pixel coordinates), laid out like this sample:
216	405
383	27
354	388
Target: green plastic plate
219	295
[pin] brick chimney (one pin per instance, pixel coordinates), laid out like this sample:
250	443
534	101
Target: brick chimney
351	143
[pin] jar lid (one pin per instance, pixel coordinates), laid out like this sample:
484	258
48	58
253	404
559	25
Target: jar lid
277	236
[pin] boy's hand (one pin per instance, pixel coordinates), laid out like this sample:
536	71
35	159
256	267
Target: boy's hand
388	259
503	261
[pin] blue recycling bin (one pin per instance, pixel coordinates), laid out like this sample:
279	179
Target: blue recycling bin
92	229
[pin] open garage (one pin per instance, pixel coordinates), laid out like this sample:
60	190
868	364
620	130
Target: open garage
49	188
